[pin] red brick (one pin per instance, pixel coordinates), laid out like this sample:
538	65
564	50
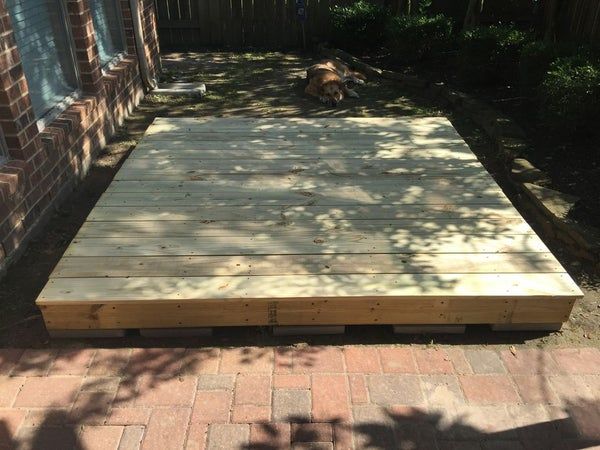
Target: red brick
342	436
358	388
535	389
212	407
9	388
283	360
488	389
361	359
312	432
158	362
34	362
253	389
397	360
291	381
200	361
166	429
459	361
11	419
160	392
72	362
110	361
270	436
48	391
129	416
250	414
8	359
578	360
330	398
528	361
247	360
100	437
318	359
196	439
90	408
431	361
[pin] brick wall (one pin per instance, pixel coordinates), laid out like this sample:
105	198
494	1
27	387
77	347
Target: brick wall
44	165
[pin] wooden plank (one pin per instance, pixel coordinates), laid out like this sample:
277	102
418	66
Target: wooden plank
236	31
309	243
124	229
295	213
248	22
330	311
260	265
177	289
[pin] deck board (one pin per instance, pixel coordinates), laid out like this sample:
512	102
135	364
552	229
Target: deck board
231	221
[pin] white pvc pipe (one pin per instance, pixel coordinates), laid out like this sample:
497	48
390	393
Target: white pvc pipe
148	81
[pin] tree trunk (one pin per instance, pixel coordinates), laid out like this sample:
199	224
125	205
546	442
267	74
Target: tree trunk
473	12
551	20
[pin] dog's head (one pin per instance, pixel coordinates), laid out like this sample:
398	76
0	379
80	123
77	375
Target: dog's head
333	91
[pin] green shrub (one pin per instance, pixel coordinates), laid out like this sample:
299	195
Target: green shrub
359	25
535	61
489	55
412	38
570	94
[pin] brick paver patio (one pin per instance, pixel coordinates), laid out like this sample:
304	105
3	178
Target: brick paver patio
381	397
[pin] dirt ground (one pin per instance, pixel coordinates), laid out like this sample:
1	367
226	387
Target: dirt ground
267	85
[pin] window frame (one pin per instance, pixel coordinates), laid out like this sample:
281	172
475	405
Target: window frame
120	54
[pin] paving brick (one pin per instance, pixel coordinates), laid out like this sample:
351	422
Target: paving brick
49	391
228	436
100	384
433	361
247	360
330	398
358	388
72	362
291	381
8	359
90	408
593	384
373	428
128	416
570	388
196	438
132	436
9	388
155	362
291	405
250	414
110	361
502	444
312	432
216	382
528	361
479	421
577	360
172	392
318	359
586	415
166	429
397	360
562	422
34	363
100	437
252	389
532	422
11	420
212	406
47	417
48	438
269	436
395	389
362	359
342	436
535	389
312	446
442	390
459	361
284	360
488	389
484	361
197	361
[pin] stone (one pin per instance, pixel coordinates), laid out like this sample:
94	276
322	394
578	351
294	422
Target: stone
291	405
553	203
191	89
523	170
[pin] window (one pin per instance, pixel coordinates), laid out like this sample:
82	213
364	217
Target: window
107	25
45	46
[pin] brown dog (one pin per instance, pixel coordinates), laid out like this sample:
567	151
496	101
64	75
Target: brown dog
327	81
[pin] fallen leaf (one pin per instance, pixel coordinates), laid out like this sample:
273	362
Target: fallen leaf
513	350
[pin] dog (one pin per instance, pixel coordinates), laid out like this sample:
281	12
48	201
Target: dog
327	80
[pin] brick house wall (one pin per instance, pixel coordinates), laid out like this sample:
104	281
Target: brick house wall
44	165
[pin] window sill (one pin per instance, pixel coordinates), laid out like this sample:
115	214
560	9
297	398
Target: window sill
56	111
113	63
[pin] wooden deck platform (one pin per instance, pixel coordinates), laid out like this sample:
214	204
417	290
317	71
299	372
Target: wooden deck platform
218	222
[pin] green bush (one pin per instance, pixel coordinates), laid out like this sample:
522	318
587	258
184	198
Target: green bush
359	25
412	38
570	94
535	61
489	55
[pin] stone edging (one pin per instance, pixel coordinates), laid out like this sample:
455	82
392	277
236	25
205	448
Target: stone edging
549	207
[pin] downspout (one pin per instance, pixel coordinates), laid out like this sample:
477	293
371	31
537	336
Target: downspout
148	81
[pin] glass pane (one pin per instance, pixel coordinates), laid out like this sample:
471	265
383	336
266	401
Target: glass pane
43	44
108	29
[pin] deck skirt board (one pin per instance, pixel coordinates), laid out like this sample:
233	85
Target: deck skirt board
295	222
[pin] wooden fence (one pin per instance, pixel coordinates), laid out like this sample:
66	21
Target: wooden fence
579	20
